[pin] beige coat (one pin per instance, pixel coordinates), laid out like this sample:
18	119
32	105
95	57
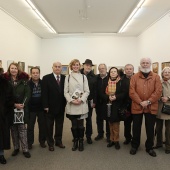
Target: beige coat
166	93
73	82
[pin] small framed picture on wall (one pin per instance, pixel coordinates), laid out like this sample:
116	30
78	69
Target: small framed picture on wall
155	67
65	69
165	64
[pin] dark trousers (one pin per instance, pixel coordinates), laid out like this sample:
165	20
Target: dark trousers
59	120
100	125
89	123
159	135
149	125
127	128
41	125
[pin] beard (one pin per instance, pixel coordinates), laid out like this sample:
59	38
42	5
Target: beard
145	70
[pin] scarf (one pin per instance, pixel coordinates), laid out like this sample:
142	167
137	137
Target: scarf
111	87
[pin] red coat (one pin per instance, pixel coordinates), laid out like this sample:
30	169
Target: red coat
142	89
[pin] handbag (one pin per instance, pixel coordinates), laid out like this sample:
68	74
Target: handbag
124	113
166	109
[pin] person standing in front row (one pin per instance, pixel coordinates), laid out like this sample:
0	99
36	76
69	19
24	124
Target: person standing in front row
6	116
102	78
91	77
76	91
113	92
18	80
54	105
36	108
145	91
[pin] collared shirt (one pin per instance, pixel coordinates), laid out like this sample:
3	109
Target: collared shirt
55	75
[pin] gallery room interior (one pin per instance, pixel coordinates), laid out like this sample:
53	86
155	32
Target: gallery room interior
39	32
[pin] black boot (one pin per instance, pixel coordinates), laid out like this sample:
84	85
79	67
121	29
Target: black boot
81	136
75	140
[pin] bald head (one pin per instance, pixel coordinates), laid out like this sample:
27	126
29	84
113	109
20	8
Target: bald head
145	65
57	67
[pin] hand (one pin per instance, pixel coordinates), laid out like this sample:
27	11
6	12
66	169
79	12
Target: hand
19	106
144	104
112	98
76	102
26	126
164	99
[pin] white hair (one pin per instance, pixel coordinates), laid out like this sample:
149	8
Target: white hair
145	58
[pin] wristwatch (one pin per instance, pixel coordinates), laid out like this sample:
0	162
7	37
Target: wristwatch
149	102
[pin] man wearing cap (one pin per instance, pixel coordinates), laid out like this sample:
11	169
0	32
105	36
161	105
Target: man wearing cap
91	77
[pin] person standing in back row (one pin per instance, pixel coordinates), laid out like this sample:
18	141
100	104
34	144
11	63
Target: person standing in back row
91	77
36	108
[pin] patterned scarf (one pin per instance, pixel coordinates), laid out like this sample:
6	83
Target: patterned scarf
111	87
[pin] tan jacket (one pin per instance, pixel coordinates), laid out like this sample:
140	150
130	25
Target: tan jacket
165	93
142	89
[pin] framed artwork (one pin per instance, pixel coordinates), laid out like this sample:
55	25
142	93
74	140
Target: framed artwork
65	69
155	67
165	64
94	69
21	65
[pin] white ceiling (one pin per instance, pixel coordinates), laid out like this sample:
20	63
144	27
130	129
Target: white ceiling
104	16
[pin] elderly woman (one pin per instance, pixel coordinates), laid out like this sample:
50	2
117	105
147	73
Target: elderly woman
113	92
162	116
18	80
77	107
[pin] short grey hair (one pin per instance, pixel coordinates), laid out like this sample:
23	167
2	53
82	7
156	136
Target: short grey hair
129	65
165	68
102	64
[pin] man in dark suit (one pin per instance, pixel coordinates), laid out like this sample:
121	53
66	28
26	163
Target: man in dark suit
54	105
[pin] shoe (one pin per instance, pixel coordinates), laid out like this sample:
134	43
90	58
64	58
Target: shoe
98	137
157	146
133	151
15	152
2	159
27	154
117	145
60	145
167	151
89	140
51	148
29	147
151	152
110	144
126	142
43	145
75	144
81	144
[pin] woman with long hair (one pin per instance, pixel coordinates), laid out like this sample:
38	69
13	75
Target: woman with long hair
18	80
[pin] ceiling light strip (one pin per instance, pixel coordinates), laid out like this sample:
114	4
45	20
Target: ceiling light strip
37	12
131	16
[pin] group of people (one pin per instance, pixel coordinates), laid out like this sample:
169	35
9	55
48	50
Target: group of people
50	98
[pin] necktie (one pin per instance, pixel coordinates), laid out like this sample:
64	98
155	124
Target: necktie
58	80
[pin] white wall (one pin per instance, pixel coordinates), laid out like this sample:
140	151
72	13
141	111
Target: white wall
155	42
112	50
17	43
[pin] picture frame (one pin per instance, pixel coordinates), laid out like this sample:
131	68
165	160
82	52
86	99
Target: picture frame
9	62
165	64
21	65
65	69
0	63
155	67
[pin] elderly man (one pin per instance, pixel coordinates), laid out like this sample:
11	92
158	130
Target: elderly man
129	71
100	116
91	77
145	91
54	105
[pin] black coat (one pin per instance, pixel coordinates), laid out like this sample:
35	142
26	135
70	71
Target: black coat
91	77
121	91
6	113
53	94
